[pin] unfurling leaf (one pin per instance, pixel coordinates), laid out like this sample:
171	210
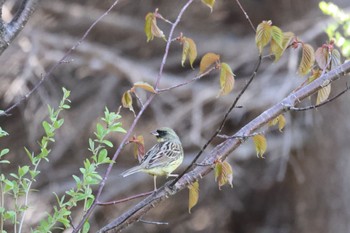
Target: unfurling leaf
145	86
263	35
193	195
223	174
323	94
260	145
277	50
321	56
335	58
127	101
227	79
151	28
277	35
208	60
139	147
209	3
307	59
280	120
189	50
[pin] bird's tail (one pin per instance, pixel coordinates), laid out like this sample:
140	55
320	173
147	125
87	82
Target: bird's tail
131	171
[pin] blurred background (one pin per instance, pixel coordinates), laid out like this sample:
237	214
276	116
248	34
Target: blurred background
303	184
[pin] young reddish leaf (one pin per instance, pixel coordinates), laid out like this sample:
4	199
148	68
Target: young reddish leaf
321	56
127	101
223	174
151	28
193	195
277	36
189	50
307	59
280	120
227	79
209	3
139	147
314	75
145	86
260	145
207	60
335	58
278	51
263	34
323	94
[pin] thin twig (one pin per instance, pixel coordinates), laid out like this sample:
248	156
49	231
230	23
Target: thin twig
124	199
183	9
188	82
321	104
61	61
153	222
221	125
138	99
246	15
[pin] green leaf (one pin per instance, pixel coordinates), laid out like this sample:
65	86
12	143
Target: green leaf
102	155
100	131
107	143
209	3
22	171
323	94
277	35
307	59
223	173
263	35
48	129
189	50
127	101
193	195
4	152
260	145
227	79
86	227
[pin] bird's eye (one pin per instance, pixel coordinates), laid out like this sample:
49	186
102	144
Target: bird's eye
161	133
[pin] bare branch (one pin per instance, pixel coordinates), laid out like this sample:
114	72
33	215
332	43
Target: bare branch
246	15
124	199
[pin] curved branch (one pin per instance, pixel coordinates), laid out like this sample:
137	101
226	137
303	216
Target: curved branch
223	150
8	32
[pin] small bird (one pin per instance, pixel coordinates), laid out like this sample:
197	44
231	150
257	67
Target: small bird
163	158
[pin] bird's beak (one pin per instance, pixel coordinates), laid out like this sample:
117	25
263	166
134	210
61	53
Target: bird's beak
155	133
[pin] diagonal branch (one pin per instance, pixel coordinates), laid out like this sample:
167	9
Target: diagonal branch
223	150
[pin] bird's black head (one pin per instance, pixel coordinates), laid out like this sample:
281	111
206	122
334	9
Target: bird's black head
164	134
